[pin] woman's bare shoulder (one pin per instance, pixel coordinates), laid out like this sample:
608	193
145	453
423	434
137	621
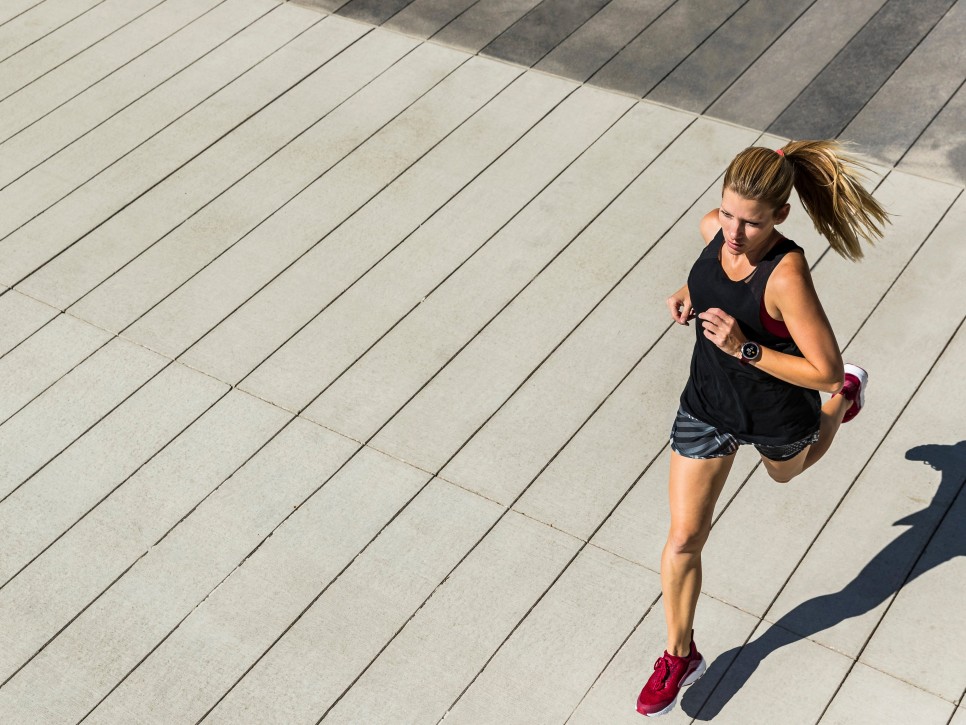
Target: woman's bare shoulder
709	225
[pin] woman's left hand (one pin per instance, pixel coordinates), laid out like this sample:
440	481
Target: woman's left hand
723	330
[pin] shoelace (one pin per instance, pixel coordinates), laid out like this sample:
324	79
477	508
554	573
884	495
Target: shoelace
667	669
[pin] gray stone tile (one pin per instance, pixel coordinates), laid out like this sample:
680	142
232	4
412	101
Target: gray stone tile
475	384
612	698
462	305
73	109
66	410
569	637
941	150
839	92
601	37
43	359
845	583
541	30
67	41
647	59
178	255
241	619
724	56
787	67
173	204
220	288
759	690
459	628
104	643
57	502
186	115
524	437
870	696
960	717
20	317
323	653
310	361
322	5
375	12
482	22
424	18
253	332
38	21
895	117
13	8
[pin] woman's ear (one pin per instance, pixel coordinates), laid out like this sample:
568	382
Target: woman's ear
781	213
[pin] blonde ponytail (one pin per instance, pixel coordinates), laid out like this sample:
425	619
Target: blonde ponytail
827	182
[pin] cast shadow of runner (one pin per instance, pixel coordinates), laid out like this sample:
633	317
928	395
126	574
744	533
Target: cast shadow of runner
882	577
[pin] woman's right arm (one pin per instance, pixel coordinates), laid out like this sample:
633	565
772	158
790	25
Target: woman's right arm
680	302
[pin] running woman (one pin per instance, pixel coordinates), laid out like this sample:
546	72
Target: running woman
764	350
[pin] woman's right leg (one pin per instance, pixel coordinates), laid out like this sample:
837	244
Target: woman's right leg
693	489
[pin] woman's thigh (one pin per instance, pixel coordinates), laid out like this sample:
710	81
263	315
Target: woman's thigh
693	489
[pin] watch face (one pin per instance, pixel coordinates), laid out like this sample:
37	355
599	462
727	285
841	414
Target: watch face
750	351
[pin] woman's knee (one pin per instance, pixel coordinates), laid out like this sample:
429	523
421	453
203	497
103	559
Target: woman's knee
686	540
782	472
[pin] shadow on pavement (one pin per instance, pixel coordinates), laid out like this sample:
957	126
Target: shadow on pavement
898	563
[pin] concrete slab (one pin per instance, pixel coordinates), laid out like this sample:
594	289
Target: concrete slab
97	549
662	45
524	437
252	334
425	667
868	696
375	12
322	654
893	119
20	317
41	511
543	28
220	288
482	22
252	608
43	358
77	201
424	18
601	37
14	8
760	94
439	420
750	692
569	637
698	80
367	105
68	409
861	559
439	326
118	74
227	162
67	41
939	152
613	697
37	21
141	609
854	76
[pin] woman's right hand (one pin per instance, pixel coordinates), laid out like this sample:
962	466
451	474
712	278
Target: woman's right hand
680	306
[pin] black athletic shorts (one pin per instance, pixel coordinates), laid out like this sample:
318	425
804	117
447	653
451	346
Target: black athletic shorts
693	438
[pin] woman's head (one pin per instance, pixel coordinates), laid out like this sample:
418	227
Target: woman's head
827	182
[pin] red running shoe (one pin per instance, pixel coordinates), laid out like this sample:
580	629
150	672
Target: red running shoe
856	380
671	673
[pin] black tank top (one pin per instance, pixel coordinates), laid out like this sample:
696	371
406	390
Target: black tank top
738	398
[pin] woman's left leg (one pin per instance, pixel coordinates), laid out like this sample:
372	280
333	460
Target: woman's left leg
831	420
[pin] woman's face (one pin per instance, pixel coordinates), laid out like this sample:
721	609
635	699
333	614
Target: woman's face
748	225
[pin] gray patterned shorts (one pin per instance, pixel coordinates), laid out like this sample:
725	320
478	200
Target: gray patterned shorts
693	438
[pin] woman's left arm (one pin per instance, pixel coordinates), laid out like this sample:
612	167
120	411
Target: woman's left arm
792	292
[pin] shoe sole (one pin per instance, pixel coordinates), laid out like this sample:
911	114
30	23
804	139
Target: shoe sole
863	377
689	680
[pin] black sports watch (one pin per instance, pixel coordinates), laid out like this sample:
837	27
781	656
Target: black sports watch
750	352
